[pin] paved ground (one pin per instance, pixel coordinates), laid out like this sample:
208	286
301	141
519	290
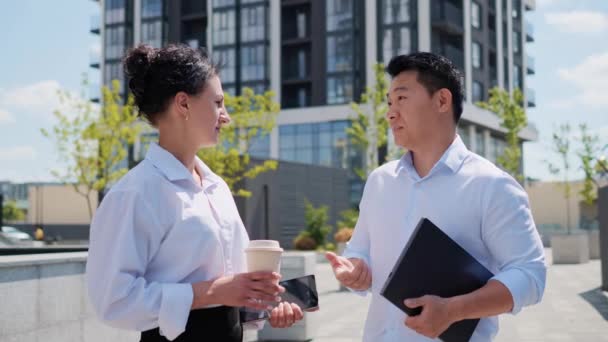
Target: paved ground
573	309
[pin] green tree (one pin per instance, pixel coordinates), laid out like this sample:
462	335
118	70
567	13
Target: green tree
10	212
93	140
316	223
369	127
510	110
253	116
561	145
348	219
588	155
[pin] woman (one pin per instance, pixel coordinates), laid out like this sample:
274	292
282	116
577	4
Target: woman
166	253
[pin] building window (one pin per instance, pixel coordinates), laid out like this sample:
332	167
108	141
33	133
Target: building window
193	33
339	15
301	24
259	146
227	58
396	41
516	7
253	23
517	77
323	143
397	31
477	92
339	89
114	42
516	41
223	27
475	15
114	71
396	11
152	33
476	55
222	3
115	11
151	8
340	53
253	63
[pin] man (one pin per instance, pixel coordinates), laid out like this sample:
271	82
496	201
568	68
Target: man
478	205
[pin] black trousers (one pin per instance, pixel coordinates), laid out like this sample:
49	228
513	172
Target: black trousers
221	324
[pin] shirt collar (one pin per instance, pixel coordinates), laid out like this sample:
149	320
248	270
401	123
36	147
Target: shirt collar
173	169
453	157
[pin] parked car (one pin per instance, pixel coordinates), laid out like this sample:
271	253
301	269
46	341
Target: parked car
14	234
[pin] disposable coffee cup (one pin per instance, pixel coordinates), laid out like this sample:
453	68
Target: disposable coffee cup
264	255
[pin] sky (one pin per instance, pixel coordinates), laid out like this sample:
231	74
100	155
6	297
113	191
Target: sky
47	47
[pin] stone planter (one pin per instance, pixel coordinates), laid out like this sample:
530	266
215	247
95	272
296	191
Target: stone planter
320	257
570	248
293	265
594	244
340	248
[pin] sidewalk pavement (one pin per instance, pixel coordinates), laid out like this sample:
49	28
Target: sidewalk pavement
573	309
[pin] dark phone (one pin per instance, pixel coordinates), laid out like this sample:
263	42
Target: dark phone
301	291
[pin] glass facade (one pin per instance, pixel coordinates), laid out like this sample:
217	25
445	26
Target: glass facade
340	51
153	23
240	44
259	146
478	94
476	55
396	29
475	15
118	36
324	143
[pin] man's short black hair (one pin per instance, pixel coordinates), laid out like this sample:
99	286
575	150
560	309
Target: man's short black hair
434	72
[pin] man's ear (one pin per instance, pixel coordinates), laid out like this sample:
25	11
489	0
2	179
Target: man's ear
444	100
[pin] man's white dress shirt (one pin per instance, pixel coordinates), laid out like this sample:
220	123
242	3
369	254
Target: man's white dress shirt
156	232
478	205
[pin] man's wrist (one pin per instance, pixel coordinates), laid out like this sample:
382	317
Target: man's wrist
456	308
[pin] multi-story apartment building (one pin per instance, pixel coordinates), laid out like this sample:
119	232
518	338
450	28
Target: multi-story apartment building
317	56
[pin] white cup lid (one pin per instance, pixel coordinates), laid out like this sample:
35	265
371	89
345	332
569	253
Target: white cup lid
264	244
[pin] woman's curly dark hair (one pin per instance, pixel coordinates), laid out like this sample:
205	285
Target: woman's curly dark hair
156	75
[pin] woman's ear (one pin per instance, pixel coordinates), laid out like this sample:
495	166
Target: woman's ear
180	101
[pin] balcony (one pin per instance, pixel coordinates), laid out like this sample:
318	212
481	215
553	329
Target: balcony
529	32
531	98
447	17
94	92
530	69
95	27
453	53
94	58
530	5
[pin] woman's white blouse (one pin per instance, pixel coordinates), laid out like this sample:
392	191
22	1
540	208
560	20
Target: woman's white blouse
154	234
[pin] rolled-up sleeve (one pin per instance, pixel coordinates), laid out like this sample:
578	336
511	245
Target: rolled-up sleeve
125	234
509	232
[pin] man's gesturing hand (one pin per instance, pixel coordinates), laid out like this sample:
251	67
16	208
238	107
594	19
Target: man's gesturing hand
353	272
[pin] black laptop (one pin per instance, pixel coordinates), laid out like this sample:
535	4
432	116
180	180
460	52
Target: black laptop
433	264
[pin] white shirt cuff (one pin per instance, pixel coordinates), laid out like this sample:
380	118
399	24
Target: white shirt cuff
174	309
516	281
